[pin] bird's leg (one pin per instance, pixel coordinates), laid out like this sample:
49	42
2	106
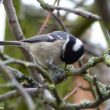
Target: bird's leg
60	77
52	66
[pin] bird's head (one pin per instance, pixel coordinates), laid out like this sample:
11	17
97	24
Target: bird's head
72	50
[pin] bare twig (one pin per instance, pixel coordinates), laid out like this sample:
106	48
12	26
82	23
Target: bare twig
46	20
15	93
60	22
79	13
45	23
71	93
75	11
91	104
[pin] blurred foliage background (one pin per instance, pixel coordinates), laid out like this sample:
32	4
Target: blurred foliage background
31	19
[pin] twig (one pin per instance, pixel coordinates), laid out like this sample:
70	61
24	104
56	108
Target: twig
75	11
58	98
46	20
79	12
69	71
80	71
22	79
90	104
100	96
25	95
45	23
9	60
71	93
17	32
13	20
92	62
15	93
41	70
30	65
79	4
60	22
105	57
87	104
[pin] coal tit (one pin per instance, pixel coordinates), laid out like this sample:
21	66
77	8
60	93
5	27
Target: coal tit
58	47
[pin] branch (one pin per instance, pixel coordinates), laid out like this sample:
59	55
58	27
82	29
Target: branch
70	71
15	93
104	90
41	70
28	65
91	63
26	81
79	25
99	94
60	22
75	11
21	90
71	93
13	20
46	20
9	60
17	32
80	71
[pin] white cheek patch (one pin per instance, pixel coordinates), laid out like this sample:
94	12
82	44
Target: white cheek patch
77	45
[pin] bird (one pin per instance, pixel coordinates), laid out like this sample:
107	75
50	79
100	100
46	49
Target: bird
55	48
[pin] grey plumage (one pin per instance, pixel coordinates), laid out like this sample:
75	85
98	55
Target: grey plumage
58	47
51	37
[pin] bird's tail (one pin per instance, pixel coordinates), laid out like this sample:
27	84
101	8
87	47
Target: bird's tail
17	43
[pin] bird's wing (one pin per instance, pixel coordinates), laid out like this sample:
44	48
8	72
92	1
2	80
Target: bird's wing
51	37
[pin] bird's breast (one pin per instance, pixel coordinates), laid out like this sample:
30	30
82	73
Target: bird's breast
46	52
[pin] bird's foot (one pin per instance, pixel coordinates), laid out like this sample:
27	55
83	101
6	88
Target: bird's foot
56	68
